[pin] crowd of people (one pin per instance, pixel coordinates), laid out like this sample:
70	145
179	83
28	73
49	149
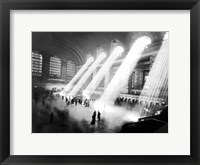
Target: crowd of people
76	100
83	101
43	96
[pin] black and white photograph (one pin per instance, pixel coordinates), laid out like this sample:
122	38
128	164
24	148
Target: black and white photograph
100	82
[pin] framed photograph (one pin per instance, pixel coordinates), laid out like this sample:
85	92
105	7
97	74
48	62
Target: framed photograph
95	82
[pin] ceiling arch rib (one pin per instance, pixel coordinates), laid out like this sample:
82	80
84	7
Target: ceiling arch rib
69	46
68	52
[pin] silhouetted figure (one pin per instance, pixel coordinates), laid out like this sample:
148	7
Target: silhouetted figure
99	116
86	102
66	100
51	117
93	118
36	99
43	102
62	97
72	101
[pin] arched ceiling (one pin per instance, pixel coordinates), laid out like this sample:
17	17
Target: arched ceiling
77	45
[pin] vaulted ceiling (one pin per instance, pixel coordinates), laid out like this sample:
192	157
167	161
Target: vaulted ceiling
77	45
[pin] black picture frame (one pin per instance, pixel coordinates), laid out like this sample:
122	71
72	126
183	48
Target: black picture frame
7	5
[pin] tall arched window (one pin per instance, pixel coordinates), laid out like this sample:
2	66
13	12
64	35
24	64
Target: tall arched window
55	67
145	76
133	80
71	68
36	64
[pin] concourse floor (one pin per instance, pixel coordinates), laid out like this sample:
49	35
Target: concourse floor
75	118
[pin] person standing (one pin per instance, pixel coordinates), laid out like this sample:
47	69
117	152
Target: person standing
93	118
99	116
51	118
